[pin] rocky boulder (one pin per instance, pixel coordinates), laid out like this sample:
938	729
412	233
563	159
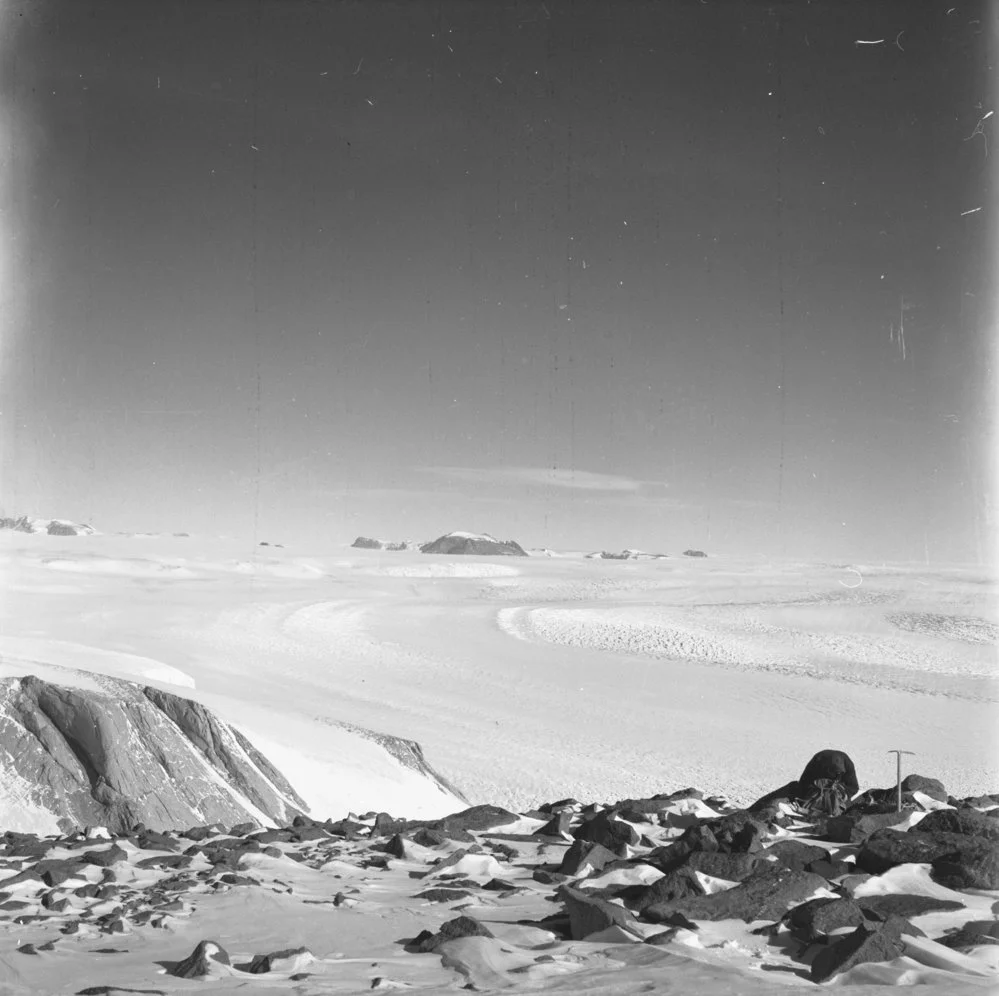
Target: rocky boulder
967	821
765	895
201	961
972	866
869	942
928	786
958	854
590	914
606	829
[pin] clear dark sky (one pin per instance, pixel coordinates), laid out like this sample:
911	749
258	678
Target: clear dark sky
591	274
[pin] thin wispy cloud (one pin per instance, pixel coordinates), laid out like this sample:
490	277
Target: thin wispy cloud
552	477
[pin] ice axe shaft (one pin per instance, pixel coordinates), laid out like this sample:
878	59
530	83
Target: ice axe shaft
898	776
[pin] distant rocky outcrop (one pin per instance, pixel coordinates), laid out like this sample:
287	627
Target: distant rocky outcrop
366	543
476	544
54	527
116	754
694	553
626	555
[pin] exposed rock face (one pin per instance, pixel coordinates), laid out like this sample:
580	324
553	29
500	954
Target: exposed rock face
476	544
408	753
694	553
364	543
118	754
54	527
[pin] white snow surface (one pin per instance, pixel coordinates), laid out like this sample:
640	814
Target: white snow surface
595	679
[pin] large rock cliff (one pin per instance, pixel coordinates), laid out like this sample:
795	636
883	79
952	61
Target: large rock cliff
116	753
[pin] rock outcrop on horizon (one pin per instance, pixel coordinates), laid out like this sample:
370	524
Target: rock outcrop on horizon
53	527
367	543
117	753
476	544
626	555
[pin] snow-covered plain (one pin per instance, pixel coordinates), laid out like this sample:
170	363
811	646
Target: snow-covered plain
535	679
554	676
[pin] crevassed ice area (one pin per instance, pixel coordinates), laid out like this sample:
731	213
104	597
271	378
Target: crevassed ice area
532	678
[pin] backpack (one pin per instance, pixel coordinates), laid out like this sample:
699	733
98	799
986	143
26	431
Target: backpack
828	797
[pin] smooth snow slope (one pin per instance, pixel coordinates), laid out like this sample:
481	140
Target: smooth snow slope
560	676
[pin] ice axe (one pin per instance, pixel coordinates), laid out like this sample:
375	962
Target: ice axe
898	774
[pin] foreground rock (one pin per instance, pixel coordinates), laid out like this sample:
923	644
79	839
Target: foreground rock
869	942
201	961
493	903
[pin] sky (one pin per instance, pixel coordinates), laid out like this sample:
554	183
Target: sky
587	275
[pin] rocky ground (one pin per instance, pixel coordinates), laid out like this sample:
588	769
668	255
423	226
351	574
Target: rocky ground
638	895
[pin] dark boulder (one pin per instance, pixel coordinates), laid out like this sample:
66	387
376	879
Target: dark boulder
559	824
606	829
970	822
684	793
427	837
277	961
973	934
765	895
681	883
887	848
818	917
870	942
738	832
928	786
105	858
364	543
558	806
474	818
589	914
974	865
905	905
462	926
794	854
696	838
583	853
199	961
734	867
855	826
442	894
